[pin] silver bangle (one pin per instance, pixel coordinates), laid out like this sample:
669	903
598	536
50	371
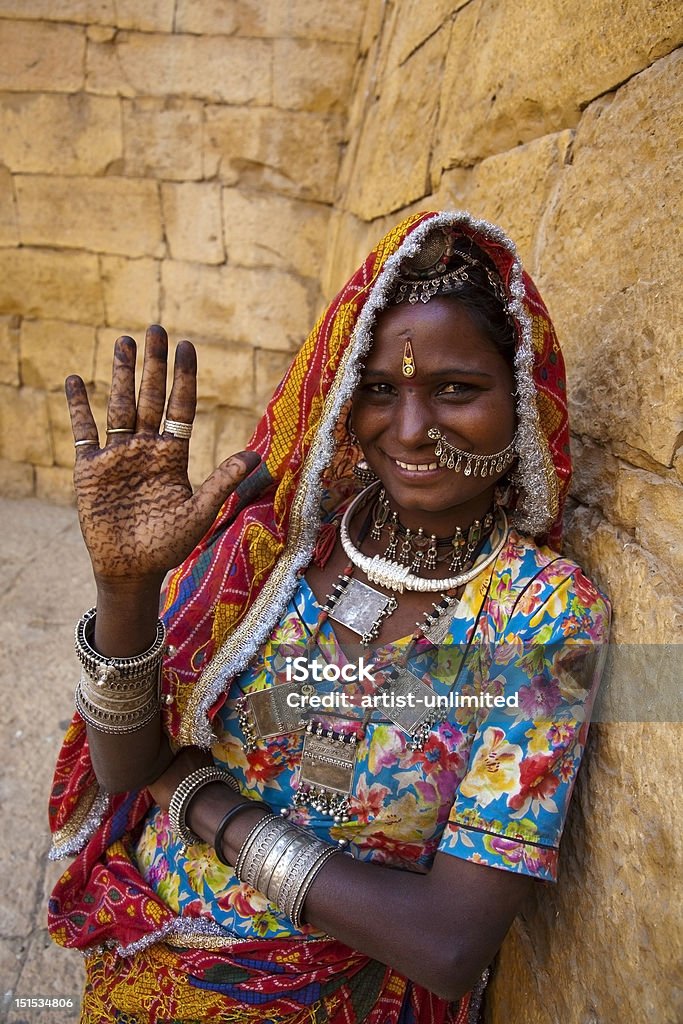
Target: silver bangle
275	867
261	846
276	890
301	895
249	841
110	671
184	793
297	876
281	860
115	723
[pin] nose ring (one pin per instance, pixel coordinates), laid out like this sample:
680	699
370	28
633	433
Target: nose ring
474	465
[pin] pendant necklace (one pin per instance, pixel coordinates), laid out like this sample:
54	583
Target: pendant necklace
328	755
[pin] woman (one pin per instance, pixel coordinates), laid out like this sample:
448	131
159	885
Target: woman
375	695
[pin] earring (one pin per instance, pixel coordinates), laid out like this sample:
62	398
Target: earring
474	465
361	470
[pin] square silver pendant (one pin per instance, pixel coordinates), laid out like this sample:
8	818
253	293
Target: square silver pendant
359	606
398	708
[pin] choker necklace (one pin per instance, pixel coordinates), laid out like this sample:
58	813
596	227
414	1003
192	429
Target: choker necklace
398	577
420	550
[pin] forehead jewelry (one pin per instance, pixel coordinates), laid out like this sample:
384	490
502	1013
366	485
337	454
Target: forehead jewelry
408	366
474	465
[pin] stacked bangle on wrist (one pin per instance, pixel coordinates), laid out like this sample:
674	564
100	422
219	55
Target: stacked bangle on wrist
281	860
188	788
117	695
248	805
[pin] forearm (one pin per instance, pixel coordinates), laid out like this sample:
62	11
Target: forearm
436	932
126	621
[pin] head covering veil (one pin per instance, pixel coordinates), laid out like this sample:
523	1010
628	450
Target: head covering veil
225	599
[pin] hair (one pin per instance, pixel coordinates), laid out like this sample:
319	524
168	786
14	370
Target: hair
486	310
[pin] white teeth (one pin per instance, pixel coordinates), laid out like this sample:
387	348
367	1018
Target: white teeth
420	469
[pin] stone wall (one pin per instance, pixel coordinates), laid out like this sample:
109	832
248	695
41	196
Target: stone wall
169	161
180	161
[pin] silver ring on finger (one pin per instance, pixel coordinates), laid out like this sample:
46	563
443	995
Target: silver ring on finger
120	430
178	429
86	441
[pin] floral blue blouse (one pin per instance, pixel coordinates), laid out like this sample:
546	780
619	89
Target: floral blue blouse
493	780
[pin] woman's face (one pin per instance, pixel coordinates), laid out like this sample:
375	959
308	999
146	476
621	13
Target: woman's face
462	385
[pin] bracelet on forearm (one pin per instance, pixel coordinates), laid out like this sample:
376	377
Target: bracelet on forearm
186	790
248	805
282	860
116	672
116	713
117	695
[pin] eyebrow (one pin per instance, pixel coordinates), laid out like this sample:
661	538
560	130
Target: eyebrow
446	373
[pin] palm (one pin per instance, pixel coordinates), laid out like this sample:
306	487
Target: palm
138	514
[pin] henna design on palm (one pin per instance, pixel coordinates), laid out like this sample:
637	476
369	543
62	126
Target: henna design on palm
138	514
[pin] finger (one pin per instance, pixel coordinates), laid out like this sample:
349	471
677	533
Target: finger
121	412
183	398
152	396
208	498
82	420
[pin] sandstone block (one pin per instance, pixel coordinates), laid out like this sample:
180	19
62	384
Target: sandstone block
610	269
311	75
648	608
9	351
51	349
55	484
225	373
115	215
262	229
208	67
392	167
269	369
513	190
24	426
131	291
162	139
263	308
100	33
234	429
349	240
45	283
9	229
39	56
649	507
16	479
192	217
75	134
332	20
548	69
292	152
153	15
411	24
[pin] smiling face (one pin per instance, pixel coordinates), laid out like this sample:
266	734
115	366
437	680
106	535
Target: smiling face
462	384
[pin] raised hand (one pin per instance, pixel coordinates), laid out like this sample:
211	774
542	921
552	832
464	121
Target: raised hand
138	514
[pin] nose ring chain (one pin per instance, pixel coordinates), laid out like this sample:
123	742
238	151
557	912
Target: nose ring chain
474	465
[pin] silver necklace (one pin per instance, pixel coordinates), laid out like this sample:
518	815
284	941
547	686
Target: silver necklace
397	577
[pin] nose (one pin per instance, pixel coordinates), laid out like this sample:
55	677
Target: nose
412	420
